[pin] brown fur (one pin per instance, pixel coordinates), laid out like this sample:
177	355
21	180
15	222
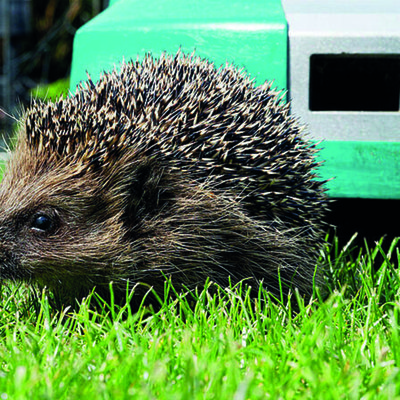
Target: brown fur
170	169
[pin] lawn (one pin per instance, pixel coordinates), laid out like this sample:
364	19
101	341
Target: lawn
215	344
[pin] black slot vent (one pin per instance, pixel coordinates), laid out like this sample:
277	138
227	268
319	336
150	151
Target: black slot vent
354	82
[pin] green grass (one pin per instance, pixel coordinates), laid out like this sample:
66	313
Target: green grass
52	91
215	344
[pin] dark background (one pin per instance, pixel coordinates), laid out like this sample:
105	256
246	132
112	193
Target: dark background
39	44
372	219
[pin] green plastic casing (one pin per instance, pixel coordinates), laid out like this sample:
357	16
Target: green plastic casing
361	169
251	34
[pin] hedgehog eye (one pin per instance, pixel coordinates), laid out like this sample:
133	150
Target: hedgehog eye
42	222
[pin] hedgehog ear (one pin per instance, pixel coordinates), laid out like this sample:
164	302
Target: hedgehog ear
144	193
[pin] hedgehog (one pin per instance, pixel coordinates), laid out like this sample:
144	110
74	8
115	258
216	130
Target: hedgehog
165	168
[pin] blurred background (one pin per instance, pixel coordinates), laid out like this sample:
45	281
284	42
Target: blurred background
36	47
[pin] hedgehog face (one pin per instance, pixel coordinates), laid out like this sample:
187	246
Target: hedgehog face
68	225
52	224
